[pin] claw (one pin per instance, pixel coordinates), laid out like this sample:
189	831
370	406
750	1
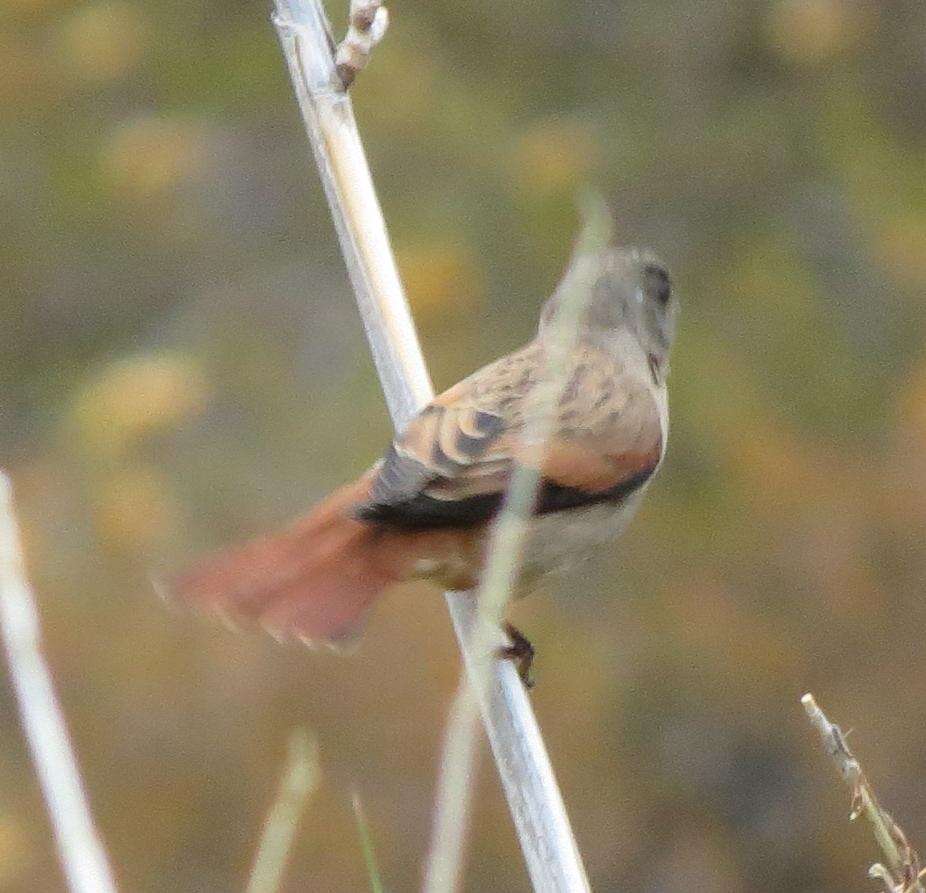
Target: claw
521	652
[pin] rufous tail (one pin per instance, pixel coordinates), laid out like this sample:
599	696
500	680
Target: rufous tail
314	581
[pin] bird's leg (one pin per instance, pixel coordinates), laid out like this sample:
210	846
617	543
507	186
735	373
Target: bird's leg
520	651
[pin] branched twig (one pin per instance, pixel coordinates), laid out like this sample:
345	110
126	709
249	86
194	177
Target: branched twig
300	778
83	858
902	873
504	559
530	786
367	24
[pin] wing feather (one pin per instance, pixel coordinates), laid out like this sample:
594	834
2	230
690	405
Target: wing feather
453	463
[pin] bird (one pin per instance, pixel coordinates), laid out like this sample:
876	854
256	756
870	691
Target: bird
425	510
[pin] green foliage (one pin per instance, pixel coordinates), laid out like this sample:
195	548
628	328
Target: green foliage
366	845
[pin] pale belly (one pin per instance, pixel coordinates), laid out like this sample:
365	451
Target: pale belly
561	539
556	541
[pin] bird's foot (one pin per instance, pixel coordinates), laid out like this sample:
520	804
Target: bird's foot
521	652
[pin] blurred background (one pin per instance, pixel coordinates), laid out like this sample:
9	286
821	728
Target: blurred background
182	366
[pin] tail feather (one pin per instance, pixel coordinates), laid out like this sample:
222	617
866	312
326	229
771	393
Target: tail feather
314	581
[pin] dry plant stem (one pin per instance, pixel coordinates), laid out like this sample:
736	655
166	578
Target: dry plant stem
527	777
82	856
329	119
300	778
452	812
901	873
504	561
457	777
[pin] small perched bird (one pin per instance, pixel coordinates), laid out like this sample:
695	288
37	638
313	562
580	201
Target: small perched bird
425	509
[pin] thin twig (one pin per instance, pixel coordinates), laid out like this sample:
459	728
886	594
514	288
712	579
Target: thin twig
300	778
82	856
902	872
451	814
366	844
504	560
527	777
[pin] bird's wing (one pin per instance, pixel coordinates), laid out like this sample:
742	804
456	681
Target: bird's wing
453	463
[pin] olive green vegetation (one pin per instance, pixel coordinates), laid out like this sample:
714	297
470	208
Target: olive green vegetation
182	366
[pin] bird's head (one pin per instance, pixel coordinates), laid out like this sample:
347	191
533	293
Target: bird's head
632	294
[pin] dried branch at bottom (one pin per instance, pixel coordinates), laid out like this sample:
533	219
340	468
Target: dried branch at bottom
902	872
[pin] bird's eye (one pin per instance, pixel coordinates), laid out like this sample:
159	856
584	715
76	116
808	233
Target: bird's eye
657	283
